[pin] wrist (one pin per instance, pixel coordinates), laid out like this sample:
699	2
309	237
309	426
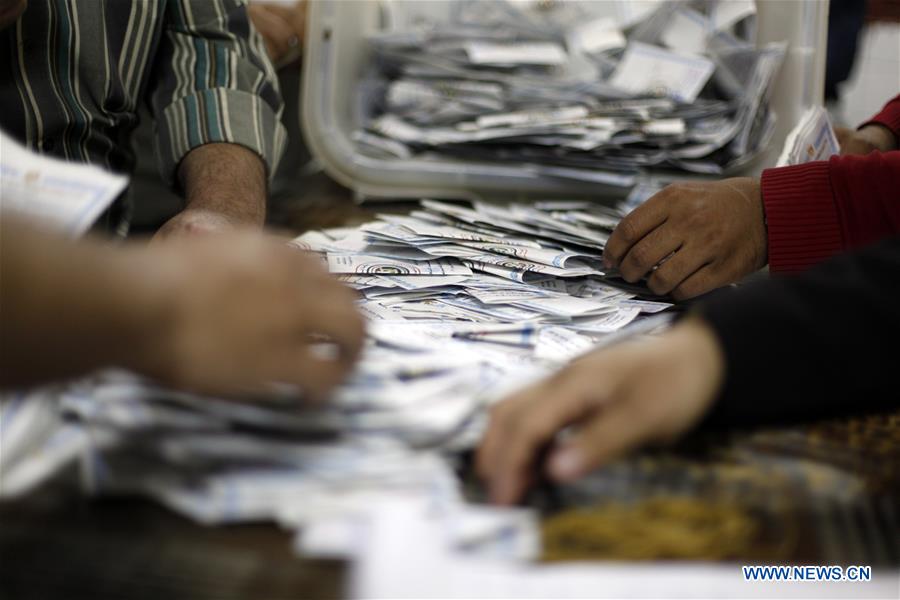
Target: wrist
879	136
750	189
697	343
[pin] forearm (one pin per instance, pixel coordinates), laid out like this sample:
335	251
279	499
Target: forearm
69	307
226	179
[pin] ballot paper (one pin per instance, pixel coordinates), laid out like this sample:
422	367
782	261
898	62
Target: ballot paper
812	139
466	302
647	69
61	194
589	91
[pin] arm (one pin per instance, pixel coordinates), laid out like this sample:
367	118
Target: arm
819	209
68	307
198	313
880	133
225	187
824	336
794	217
213	85
786	349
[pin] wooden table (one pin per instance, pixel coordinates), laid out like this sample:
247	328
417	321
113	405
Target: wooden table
826	493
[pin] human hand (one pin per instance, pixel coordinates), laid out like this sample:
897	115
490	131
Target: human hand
616	399
282	29
232	314
701	235
867	139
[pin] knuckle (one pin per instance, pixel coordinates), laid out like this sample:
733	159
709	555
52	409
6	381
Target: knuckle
640	257
627	230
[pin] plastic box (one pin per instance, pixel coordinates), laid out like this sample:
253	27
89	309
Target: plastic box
337	55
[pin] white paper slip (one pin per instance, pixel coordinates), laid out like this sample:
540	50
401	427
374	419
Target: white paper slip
531	117
726	13
558	344
687	32
596	36
568	306
647	69
376	312
379	265
645	306
611	321
62	194
665	127
812	139
515	53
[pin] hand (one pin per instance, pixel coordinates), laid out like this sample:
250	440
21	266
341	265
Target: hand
867	139
281	27
234	313
701	236
616	398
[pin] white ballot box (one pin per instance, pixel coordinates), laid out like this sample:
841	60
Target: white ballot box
341	83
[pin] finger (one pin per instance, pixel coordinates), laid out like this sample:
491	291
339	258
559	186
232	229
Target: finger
335	315
649	252
315	375
529	431
631	229
617	429
492	442
684	263
500	426
294	15
704	280
275	31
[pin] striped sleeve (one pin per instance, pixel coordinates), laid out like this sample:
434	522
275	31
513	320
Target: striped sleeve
213	82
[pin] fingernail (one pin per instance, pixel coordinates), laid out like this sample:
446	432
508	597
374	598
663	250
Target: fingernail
607	263
566	464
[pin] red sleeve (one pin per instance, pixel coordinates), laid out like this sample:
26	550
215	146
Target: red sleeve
819	209
888	117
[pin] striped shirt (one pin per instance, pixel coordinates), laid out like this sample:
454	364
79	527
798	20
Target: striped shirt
73	73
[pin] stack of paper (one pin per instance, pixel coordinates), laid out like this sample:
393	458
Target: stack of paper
572	87
812	139
465	304
526	277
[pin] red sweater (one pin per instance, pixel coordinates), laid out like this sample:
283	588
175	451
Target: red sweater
819	209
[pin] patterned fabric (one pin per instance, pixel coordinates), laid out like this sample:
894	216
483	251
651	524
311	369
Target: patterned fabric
73	73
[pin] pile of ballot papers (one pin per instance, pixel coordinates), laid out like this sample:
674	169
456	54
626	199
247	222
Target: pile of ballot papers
465	303
616	88
812	139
